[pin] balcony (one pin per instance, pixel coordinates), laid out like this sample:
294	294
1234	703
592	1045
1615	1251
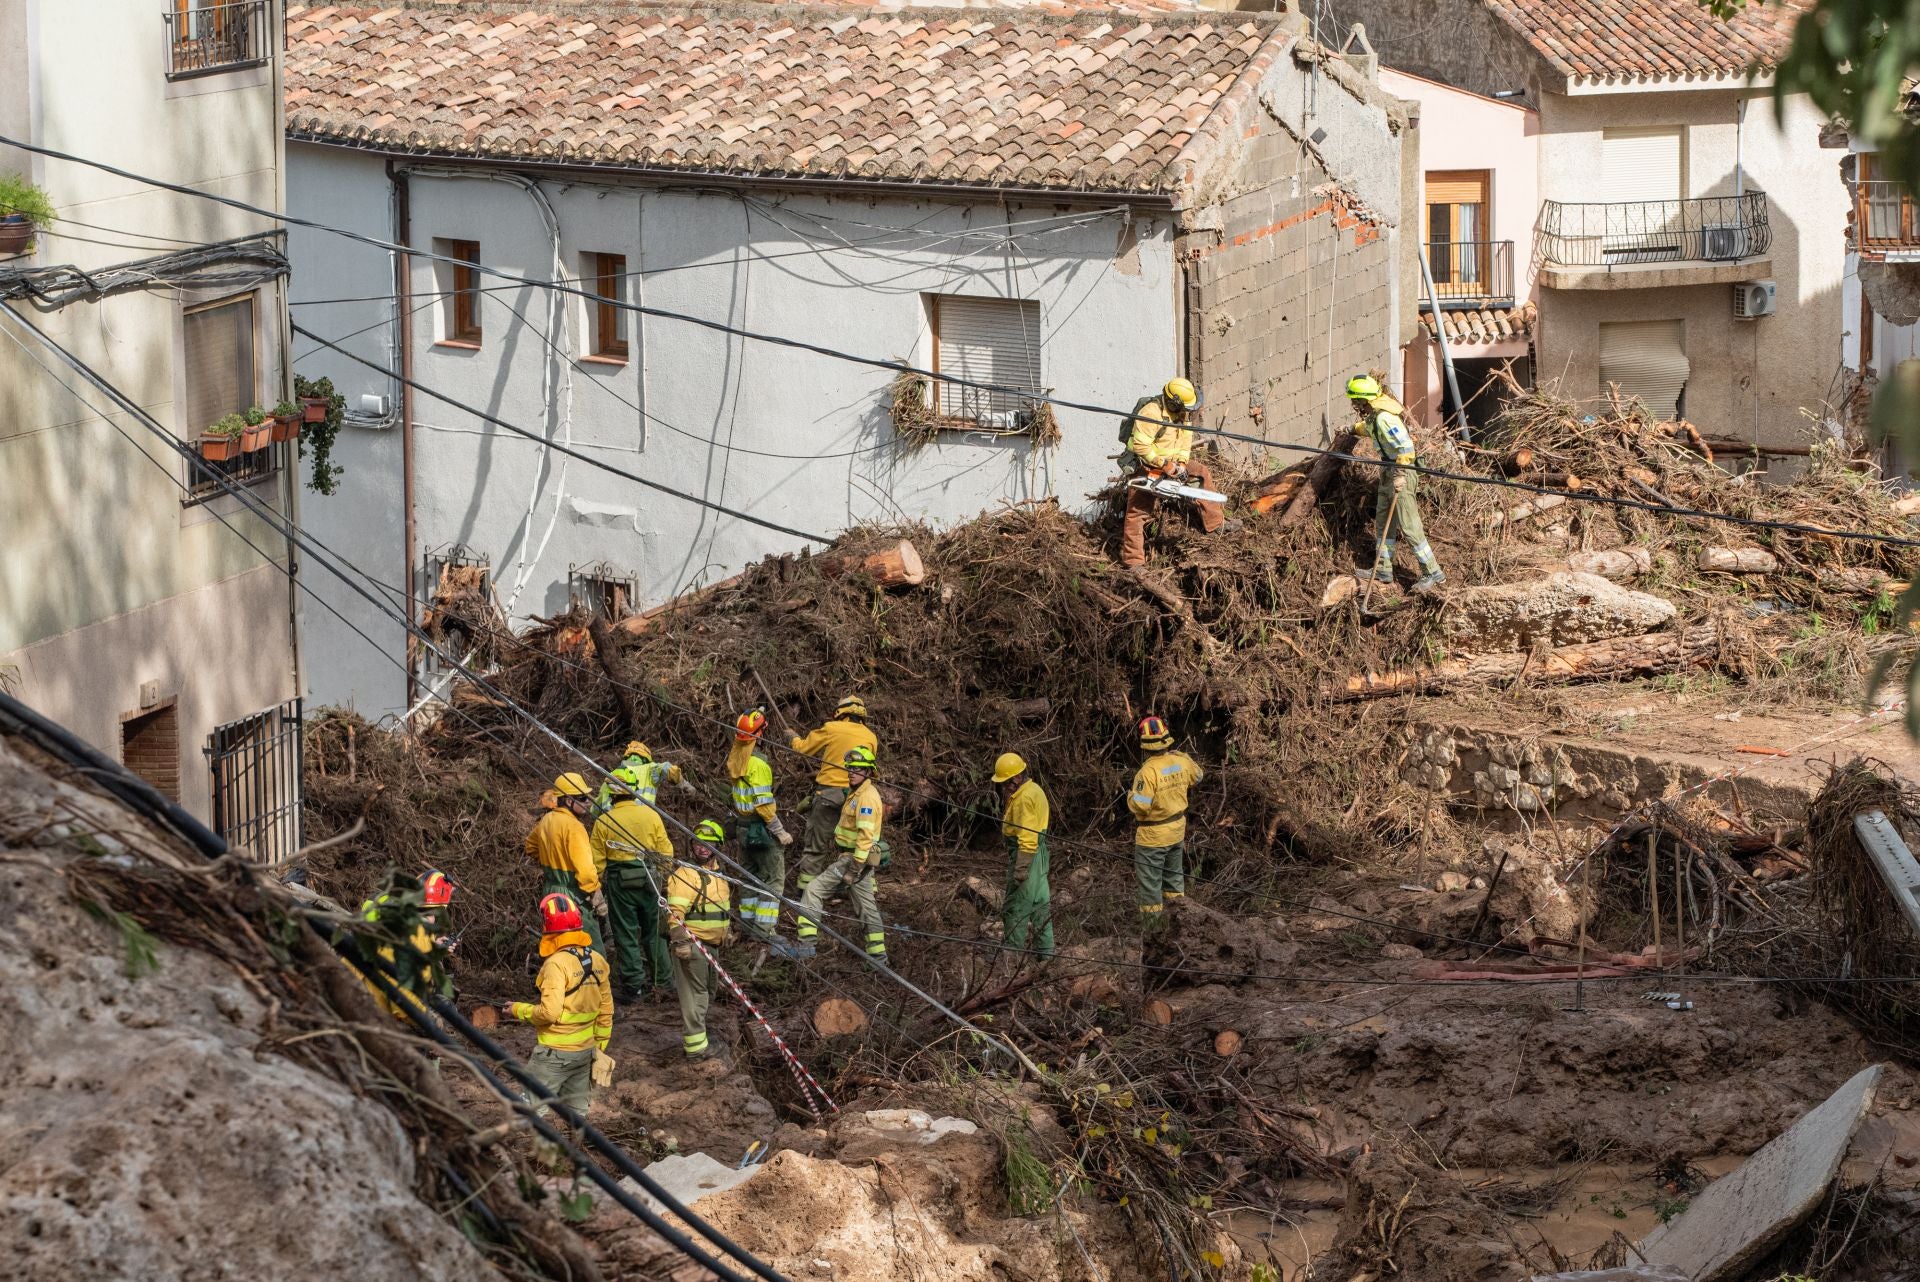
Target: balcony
1471	273
1654	243
1886	226
206	39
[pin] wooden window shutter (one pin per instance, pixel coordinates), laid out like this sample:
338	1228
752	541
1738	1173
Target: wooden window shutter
219	358
1648	359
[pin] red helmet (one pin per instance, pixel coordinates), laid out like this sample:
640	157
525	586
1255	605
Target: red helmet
558	912
436	890
1154	733
749	726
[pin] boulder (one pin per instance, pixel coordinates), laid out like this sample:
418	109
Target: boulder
1564	608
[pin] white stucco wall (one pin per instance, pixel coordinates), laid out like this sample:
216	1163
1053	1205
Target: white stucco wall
1750	378
812	444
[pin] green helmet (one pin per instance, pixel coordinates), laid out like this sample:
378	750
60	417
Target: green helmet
860	758
1363	387
710	831
625	779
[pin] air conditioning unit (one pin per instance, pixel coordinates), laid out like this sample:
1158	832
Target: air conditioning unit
1724	242
1753	299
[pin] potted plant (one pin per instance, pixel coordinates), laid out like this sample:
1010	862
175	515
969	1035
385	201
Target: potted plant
317	436
221	442
24	209
313	409
286	422
258	433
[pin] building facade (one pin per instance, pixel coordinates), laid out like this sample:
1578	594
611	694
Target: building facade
1057	205
128	610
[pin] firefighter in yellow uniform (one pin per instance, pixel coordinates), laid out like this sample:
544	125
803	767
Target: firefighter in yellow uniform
573	1020
856	836
697	901
763	838
436	892
1396	503
648	776
1027	914
559	844
1158	800
632	855
829	746
1160	443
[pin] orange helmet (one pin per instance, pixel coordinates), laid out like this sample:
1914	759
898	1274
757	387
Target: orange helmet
1154	733
436	890
750	726
558	912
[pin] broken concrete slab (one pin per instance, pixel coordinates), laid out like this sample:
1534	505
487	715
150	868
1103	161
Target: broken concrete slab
1742	1216
1564	608
689	1177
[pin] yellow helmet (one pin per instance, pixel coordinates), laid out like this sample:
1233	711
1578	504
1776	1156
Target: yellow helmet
852	706
1007	766
572	784
1180	393
638	749
1154	733
1363	387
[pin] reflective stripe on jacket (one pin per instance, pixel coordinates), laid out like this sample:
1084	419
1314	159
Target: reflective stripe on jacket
1026	817
859	824
1158	798
752	781
628	832
1155	439
575	1010
829	746
560	841
1388	430
698	900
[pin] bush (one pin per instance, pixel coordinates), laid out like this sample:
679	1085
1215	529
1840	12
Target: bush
18	196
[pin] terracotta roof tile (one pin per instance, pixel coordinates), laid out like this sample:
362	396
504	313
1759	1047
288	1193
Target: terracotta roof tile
1616	39
1482	325
1049	95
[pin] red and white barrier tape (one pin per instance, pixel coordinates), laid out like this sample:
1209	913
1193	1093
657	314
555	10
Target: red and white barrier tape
808	1086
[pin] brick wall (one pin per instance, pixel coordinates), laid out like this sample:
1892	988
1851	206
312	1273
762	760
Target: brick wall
150	747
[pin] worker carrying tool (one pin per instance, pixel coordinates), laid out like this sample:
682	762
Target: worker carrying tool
861	852
1027	911
573	1018
1396	509
697	900
1160	448
633	854
763	838
421	975
559	844
638	757
829	746
1158	800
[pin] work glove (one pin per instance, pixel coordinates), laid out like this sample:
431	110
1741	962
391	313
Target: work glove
806	804
778	831
846	867
599	902
784	837
686	786
682	948
602	1068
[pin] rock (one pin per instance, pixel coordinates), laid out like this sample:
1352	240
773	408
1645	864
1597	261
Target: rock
1614	563
1450	883
838	1017
1564	608
1400	952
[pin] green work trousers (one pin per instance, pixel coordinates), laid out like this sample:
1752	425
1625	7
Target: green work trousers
1160	873
817	848
1394	515
633	910
766	860
857	879
568	1074
1028	910
693	985
562	880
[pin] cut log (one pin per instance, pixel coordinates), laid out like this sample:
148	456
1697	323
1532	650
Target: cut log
484	1017
1738	560
1157	1011
1645	655
1860	579
892	567
646	620
1339	591
1517	462
1613	563
1279	494
838	1017
1318	478
1561	480
1227	1043
1531	508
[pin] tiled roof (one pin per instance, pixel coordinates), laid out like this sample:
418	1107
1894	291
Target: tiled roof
1613	39
1483	325
1101	100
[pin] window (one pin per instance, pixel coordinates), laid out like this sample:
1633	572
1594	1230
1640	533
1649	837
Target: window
255	787
986	340
1646	163
607	320
1457	228
150	747
603	589
1648	359
206	38
219	346
459	608
459	291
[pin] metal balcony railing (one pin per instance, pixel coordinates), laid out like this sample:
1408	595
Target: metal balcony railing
1884	216
1476	272
1714	229
206	38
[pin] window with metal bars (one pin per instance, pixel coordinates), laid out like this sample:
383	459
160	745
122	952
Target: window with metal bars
255	765
603	589
220	348
985	340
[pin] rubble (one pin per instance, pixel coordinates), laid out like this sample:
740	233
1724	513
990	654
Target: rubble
1560	609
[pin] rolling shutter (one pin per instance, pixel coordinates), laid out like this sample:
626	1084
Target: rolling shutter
219	358
1457	187
1648	359
990	340
1642	164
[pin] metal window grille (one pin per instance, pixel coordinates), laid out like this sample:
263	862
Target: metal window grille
1471	272
603	588
986	340
243	468
203	39
256	765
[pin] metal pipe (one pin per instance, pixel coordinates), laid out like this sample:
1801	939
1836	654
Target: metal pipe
1739	148
403	295
1446	354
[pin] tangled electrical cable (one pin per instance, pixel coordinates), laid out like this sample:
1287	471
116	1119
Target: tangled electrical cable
240	263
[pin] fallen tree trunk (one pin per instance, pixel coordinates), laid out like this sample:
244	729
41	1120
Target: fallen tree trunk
1532	507
1738	560
635	624
1318	478
1644	655
892	567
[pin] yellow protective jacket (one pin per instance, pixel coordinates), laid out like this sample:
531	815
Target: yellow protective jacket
1025	818
697	900
628	832
560	841
1156	440
1158	798
859	824
829	746
575	1010
1386	426
420	941
752	782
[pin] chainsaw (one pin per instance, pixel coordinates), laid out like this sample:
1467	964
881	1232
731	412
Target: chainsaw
1166	487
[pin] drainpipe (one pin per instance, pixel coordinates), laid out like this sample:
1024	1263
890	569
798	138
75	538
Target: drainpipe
282	291
1739	149
1446	354
403	293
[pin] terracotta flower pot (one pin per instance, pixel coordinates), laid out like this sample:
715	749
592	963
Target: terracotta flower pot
314	408
16	232
218	449
285	428
256	438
